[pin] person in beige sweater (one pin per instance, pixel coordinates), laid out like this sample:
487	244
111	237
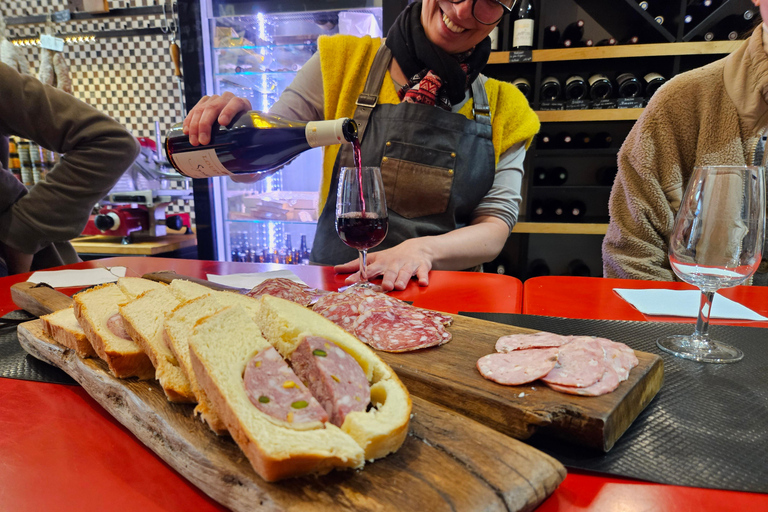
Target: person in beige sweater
713	115
35	227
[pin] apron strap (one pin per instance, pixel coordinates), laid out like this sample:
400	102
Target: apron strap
481	110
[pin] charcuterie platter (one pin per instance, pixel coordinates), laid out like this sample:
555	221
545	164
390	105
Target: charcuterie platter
447	462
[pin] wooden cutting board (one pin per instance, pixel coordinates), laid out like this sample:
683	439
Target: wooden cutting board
447	375
447	463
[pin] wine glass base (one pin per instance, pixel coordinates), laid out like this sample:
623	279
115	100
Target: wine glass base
691	348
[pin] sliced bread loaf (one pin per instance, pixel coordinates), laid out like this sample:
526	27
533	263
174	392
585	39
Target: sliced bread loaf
188	290
220	348
132	287
144	318
63	327
97	312
178	330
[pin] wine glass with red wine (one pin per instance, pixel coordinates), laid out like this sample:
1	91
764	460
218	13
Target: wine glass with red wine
361	213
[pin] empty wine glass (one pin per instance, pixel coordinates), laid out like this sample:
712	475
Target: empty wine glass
361	213
717	242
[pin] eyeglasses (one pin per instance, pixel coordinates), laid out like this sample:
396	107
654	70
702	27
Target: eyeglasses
489	12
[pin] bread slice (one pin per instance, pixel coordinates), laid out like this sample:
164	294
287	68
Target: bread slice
220	348
178	330
380	430
94	308
188	290
144	318
132	287
62	326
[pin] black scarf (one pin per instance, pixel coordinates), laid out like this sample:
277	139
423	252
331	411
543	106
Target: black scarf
416	55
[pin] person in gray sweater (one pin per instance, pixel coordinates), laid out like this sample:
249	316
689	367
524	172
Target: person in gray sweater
36	225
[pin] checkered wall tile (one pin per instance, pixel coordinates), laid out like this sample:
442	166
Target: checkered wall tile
131	78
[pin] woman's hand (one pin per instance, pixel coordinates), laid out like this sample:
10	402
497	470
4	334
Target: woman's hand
396	265
210	109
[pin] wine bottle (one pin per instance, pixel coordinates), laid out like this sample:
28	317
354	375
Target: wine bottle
643	5
550	89
495	36
607	42
551	37
696	12
602	140
586	43
523	27
652	82
582	140
574	32
557	176
544	141
524	86
556	210
631	40
600	87
253	143
536	268
659	19
575	211
578	268
606	175
303	251
575	88
562	140
538	210
540	177
629	86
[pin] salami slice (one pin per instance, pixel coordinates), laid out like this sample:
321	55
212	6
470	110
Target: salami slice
518	367
276	391
607	383
398	329
512	342
580	363
285	289
333	376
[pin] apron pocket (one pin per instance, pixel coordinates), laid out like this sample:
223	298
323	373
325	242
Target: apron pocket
417	179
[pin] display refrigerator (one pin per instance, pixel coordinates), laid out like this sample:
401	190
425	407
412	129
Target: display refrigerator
254	50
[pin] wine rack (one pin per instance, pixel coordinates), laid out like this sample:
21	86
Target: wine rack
667	48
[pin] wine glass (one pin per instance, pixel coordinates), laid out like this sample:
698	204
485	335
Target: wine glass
361	214
716	242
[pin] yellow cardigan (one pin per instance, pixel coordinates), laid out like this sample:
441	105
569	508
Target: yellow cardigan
345	62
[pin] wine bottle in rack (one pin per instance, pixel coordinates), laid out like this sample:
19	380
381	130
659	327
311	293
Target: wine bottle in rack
582	140
607	42
653	81
540	177
628	86
578	268
538	210
551	89
586	43
575	211
536	268
696	12
602	140
600	87
523	27
643	5
659	19
555	210
562	140
524	86
557	176
631	40
572	34
575	88
544	141
551	37
606	175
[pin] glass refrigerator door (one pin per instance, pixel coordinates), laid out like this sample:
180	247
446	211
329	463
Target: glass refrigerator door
257	56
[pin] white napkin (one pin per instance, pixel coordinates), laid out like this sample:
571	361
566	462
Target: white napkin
249	280
73	278
660	302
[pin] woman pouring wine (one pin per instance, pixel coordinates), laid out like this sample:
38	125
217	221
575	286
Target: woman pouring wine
450	142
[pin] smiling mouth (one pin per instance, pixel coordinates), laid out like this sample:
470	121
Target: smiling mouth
452	26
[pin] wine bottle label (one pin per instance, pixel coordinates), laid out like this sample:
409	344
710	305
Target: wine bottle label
203	163
523	33
325	133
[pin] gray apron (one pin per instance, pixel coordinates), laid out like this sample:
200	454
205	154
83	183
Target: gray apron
436	166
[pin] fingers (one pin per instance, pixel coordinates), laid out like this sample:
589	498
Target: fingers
345	268
210	110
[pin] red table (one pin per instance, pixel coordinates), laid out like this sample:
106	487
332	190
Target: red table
594	298
60	451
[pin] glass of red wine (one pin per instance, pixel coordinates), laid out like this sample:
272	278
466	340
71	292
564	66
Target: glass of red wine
361	213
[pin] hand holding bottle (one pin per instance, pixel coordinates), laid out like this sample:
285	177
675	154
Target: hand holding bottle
209	110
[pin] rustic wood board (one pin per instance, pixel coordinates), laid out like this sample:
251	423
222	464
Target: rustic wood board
447	375
448	462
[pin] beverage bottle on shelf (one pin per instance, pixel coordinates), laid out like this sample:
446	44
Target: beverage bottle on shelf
254	143
586	43
659	19
556	210
557	176
643	5
653	81
540	176
629	86
605	176
537	267
524	86
563	140
696	12
575	211
538	210
607	42
495	36
288	250
572	33
36	158
14	165
582	140
544	141
602	140
523	27
551	37
578	268
575	88
631	40
303	251
550	89
600	87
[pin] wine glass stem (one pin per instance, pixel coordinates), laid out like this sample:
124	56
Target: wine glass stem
364	266
702	322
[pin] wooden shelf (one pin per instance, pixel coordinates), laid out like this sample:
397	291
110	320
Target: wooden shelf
616	114
560	228
625	51
142	246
